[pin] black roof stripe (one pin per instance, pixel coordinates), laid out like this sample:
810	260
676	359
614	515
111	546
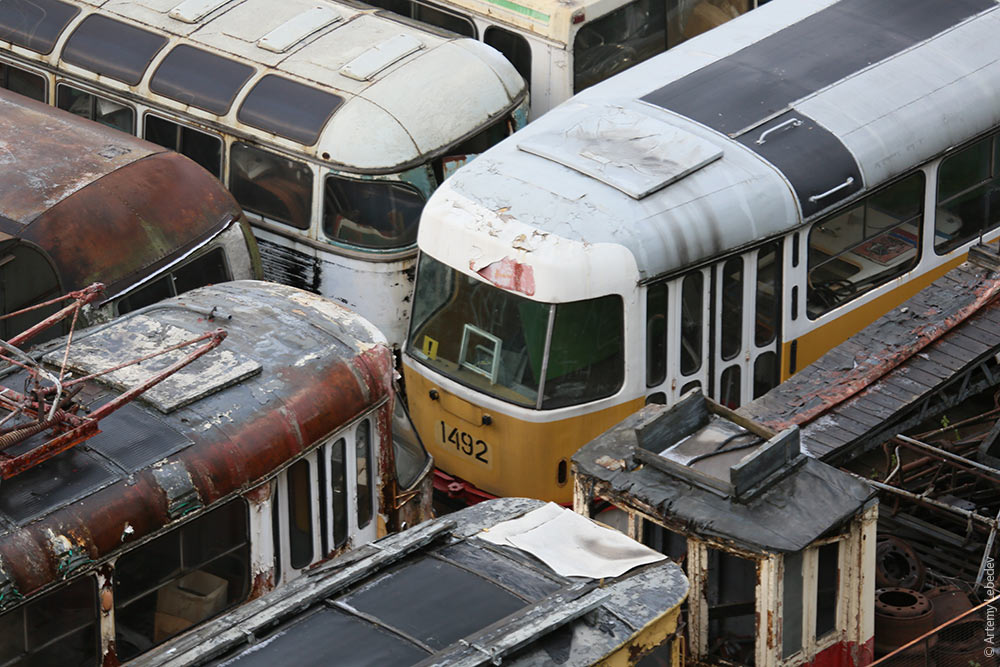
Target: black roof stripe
764	78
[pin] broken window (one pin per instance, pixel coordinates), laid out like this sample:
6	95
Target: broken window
22	82
181	578
201	147
827	587
968	195
867	245
59	628
731	596
363	458
270	185
338	491
92	107
300	534
791	605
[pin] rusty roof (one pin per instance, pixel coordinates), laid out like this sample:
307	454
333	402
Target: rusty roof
223	442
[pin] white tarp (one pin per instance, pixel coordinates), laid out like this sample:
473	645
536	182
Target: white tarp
572	545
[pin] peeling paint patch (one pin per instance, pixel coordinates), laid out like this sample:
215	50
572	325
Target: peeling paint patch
509	274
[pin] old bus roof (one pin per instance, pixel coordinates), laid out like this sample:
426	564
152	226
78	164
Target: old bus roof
391	93
220	434
105	206
825	114
456	595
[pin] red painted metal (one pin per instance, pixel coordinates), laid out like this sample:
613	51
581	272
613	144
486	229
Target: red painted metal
845	654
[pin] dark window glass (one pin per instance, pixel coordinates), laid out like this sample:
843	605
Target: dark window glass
59	628
203	148
791	605
158	290
686	19
199	78
206	269
430	15
270	185
338	491
363	459
181	578
968	195
514	47
22	82
35	24
656	334
768	293
300	538
112	48
765	373
827	587
27	278
411	457
288	108
867	245
692	314
587	353
664	540
92	107
689	386
460	154
371	214
731	316
730	591
618	40
729	387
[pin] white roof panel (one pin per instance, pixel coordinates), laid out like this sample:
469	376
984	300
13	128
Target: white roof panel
295	29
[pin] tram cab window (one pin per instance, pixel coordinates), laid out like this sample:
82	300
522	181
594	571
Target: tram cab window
22	82
430	14
93	107
618	40
858	249
968	195
373	214
59	628
514	47
206	269
271	185
181	578
201	147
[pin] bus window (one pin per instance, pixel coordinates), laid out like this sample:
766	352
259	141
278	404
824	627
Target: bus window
968	195
201	147
300	539
95	108
656	334
22	81
59	628
181	578
617	41
872	242
271	185
372	214
362	456
514	47
338	491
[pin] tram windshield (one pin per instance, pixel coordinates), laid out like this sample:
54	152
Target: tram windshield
534	354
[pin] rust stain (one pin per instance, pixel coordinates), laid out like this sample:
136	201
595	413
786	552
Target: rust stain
509	274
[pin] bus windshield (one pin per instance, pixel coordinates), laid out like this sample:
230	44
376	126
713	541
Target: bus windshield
533	354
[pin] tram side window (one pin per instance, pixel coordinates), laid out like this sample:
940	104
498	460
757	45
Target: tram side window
338	491
206	269
514	47
618	40
429	14
181	578
22	82
867	245
271	185
59	628
363	458
968	195
300	524
690	18
201	147
827	584
731	317
692	312
656	334
93	107
791	605
371	214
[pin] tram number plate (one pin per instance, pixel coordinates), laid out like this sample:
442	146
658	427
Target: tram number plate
464	443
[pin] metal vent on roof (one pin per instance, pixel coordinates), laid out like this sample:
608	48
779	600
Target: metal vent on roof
633	153
380	56
297	28
192	11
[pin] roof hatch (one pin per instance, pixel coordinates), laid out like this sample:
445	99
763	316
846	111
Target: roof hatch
192	11
380	56
297	28
635	154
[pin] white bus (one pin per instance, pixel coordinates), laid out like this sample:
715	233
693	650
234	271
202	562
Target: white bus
331	124
561	47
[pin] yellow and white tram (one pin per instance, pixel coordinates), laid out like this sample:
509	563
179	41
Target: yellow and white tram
718	216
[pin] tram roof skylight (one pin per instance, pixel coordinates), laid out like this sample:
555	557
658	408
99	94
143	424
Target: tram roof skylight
112	48
35	24
200	78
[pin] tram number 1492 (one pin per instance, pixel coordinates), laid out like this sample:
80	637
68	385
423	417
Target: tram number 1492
464	443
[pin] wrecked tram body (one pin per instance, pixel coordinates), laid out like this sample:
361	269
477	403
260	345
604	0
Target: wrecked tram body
222	482
716	217
80	203
330	122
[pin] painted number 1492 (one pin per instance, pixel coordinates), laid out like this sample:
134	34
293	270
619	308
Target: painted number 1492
464	443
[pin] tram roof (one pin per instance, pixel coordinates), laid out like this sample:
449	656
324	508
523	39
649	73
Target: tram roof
225	422
349	85
830	103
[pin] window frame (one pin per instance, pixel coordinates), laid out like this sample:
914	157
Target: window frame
74	85
17	65
993	155
160	115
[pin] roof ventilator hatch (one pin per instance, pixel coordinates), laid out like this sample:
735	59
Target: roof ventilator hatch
381	56
192	11
635	154
297	28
